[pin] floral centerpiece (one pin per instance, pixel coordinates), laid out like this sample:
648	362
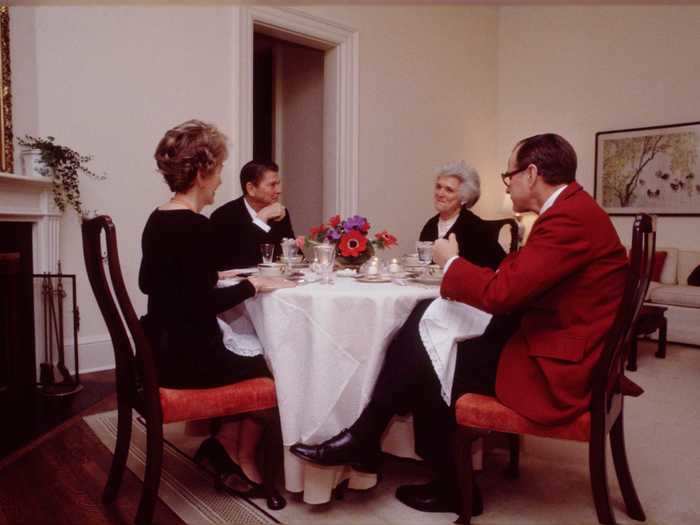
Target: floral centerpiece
351	237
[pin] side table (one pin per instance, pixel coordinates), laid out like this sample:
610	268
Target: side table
651	318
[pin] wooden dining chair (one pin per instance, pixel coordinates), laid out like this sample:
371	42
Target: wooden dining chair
137	383
494	227
477	414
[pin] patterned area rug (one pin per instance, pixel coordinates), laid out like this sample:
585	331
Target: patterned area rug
185	488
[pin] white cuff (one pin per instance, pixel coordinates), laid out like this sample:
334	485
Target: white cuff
447	264
262	225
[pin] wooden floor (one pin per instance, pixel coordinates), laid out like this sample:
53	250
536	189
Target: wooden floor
59	477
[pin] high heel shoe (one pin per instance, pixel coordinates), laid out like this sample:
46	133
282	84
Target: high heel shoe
213	452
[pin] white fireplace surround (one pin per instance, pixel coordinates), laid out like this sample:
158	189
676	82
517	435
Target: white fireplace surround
30	199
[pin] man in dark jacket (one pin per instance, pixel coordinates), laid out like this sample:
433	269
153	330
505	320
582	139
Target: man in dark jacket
257	217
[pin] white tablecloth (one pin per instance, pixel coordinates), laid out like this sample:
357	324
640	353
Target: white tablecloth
325	346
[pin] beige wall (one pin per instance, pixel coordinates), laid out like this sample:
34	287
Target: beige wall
109	80
299	114
579	70
427	77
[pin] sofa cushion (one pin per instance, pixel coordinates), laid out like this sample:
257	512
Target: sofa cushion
694	277
659	259
687	262
669	274
680	295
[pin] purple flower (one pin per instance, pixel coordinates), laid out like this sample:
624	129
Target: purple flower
356	222
332	234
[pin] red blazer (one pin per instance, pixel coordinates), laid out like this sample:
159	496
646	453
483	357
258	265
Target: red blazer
567	282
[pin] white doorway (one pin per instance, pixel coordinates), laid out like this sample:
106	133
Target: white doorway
288	93
339	45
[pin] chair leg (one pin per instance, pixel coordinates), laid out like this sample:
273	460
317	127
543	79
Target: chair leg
513	469
624	478
151	480
470	496
272	457
632	356
661	352
599	479
121	452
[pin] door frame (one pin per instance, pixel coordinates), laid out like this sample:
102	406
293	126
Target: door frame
341	98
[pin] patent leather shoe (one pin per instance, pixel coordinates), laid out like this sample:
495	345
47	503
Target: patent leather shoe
342	449
436	496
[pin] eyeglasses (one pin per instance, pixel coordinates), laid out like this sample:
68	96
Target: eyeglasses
509	175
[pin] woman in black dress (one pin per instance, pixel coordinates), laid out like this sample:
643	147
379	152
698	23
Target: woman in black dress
457	188
178	273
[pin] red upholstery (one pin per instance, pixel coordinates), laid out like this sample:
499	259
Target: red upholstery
477	411
246	396
659	259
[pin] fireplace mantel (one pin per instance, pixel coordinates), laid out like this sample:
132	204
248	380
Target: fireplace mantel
30	199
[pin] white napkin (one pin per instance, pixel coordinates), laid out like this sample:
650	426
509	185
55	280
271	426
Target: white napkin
442	326
239	333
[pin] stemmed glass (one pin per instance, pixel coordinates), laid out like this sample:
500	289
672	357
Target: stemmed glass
425	253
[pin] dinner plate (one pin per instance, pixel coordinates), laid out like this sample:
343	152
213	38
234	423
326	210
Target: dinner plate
427	280
373	279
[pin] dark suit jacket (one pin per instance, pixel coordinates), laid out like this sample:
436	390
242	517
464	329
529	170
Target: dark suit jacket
476	244
567	282
239	239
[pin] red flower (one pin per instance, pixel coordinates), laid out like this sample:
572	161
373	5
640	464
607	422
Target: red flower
334	221
386	238
316	231
365	227
352	244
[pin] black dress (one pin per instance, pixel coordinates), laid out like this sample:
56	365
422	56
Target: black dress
239	238
475	242
178	273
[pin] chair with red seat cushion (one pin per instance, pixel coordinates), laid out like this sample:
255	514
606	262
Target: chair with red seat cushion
137	382
477	414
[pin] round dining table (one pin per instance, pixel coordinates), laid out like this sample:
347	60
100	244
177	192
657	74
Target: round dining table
325	345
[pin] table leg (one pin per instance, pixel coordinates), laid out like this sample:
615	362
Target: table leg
661	352
632	358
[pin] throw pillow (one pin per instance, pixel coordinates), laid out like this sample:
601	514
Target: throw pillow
659	259
694	277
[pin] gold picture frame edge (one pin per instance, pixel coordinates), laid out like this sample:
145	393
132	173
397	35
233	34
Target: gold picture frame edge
6	137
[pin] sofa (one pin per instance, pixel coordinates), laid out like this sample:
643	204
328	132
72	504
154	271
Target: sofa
682	300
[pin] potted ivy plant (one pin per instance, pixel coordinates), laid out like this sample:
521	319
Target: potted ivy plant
63	165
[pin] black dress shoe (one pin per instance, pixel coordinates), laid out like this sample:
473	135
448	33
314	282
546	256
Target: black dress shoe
342	449
436	496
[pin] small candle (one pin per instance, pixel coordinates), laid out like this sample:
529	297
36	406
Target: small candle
372	270
394	266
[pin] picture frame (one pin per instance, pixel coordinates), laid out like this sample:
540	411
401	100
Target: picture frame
6	145
652	170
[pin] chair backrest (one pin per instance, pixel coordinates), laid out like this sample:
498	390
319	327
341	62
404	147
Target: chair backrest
495	226
606	400
137	381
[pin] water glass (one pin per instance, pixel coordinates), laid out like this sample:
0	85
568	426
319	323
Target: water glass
425	251
267	251
324	255
289	248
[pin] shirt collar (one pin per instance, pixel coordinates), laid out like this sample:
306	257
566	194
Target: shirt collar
550	200
248	207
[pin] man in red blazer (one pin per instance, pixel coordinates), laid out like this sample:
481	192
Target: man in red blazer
553	302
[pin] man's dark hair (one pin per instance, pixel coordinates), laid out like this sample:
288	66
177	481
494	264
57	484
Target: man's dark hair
554	157
254	170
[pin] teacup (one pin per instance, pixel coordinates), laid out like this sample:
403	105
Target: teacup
411	259
270	269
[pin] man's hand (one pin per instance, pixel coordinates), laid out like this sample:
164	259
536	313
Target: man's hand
273	212
445	249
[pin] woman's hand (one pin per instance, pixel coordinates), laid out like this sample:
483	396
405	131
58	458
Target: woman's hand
268	284
228	274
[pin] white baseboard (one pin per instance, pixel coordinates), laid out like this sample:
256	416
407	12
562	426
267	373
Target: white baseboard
95	353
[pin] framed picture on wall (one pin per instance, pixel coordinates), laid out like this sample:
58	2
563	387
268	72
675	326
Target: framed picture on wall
649	170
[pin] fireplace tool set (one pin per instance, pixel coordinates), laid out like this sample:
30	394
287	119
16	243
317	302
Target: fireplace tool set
53	296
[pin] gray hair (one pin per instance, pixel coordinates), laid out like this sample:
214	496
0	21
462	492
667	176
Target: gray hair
469	182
